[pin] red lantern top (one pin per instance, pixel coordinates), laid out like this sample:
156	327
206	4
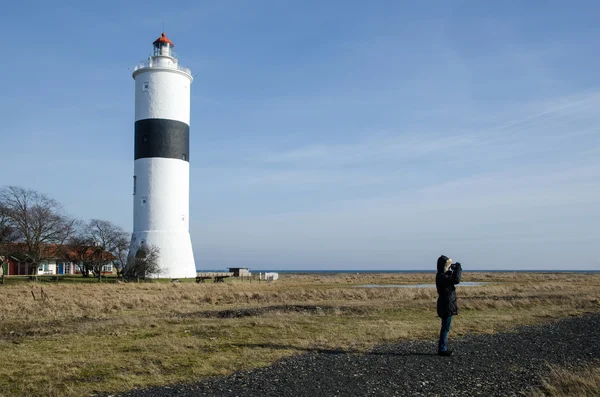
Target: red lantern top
163	39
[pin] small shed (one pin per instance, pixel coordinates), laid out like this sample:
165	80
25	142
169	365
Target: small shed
271	276
240	271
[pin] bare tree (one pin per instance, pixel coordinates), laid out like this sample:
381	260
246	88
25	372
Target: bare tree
108	239
8	233
39	222
79	250
97	244
121	253
144	264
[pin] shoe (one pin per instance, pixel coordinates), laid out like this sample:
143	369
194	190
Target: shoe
445	353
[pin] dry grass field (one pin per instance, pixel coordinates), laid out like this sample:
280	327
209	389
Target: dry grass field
562	382
89	338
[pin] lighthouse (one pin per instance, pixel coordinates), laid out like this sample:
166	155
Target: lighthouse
161	179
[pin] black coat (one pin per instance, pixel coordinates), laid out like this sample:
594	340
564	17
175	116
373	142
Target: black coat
445	284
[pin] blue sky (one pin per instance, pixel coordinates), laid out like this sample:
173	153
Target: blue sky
327	134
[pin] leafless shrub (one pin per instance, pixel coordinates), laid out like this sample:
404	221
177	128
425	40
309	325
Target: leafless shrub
144	264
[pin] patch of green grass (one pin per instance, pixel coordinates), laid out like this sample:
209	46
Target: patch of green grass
61	279
79	279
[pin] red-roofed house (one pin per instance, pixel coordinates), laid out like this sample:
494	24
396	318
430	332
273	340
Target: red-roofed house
60	261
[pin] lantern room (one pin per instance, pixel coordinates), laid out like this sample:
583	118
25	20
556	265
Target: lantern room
163	46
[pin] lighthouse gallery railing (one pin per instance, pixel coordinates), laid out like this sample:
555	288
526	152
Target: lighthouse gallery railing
147	64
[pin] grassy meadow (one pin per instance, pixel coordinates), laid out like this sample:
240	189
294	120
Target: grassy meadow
562	382
90	337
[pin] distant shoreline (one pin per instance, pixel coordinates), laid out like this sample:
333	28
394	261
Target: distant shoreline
399	271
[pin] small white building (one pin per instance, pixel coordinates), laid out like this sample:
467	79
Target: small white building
271	276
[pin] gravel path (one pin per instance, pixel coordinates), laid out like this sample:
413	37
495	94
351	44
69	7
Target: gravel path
503	364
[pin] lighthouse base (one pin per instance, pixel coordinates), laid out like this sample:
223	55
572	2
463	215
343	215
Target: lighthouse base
175	257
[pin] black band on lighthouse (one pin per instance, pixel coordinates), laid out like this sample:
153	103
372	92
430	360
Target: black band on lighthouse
162	138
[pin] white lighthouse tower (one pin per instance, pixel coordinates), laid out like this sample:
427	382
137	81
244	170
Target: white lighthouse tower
161	181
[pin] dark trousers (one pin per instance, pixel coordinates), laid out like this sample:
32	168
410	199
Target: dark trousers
443	344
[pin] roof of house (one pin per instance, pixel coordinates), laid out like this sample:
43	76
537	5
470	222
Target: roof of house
54	251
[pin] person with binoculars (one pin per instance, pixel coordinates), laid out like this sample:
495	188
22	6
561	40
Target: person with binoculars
448	275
